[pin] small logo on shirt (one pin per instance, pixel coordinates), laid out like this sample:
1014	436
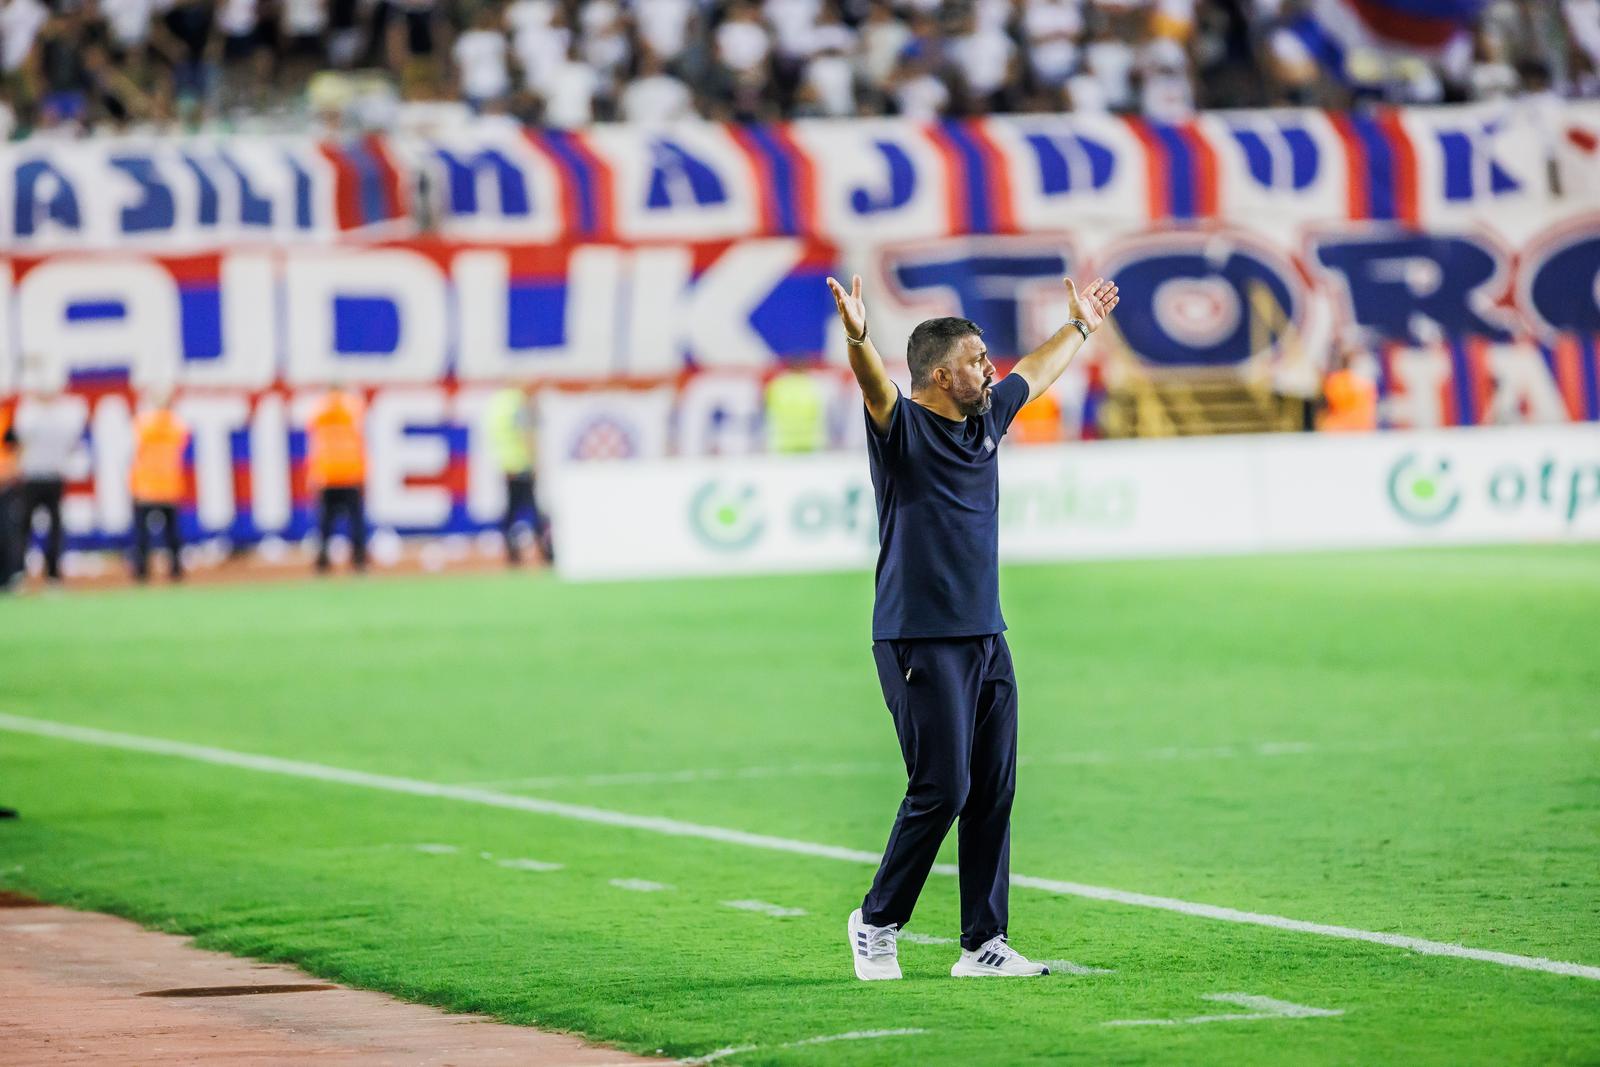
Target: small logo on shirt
988	443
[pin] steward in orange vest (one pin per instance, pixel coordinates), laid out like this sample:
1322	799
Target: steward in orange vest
11	533
1351	400
336	465
159	481
10	470
336	453
1039	422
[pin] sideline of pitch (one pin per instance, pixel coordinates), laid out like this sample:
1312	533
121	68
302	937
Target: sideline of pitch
676	828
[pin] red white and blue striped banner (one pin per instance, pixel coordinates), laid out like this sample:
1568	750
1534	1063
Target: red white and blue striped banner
119	193
858	182
877	180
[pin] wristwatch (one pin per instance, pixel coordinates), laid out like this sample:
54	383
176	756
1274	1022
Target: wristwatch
1083	327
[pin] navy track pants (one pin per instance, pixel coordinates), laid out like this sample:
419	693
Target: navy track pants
954	703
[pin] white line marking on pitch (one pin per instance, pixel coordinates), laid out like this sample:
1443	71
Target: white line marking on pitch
1068	967
924	939
1265	1008
777	911
704	774
639	885
223	757
527	865
854	1035
436	850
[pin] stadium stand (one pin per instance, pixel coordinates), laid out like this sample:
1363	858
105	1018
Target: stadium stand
74	66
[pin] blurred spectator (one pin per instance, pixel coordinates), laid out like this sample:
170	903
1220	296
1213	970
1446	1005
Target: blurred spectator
63	73
1350	394
1492	76
796	413
743	43
916	88
606	47
416	41
571	90
655	96
480	60
302	29
158	482
336	465
48	428
986	58
884	37
1108	60
540	39
744	63
187	33
791	22
246	52
1166	92
127	23
513	429
344	36
663	26
11	536
20	24
1052	29
828	77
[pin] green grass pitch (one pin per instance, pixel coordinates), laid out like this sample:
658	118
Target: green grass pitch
1397	742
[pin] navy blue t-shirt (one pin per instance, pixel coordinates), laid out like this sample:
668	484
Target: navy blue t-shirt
937	485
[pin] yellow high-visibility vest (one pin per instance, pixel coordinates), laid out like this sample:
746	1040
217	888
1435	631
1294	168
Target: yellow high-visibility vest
796	413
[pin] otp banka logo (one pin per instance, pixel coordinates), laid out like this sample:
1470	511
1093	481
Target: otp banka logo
1562	489
732	517
726	518
1425	492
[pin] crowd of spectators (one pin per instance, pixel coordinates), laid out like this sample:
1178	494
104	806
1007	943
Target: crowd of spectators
71	65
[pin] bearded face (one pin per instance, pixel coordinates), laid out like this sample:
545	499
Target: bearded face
973	398
971	377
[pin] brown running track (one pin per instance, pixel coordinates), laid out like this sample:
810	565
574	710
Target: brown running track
77	987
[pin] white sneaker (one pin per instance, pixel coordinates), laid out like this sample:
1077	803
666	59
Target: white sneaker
995	959
873	948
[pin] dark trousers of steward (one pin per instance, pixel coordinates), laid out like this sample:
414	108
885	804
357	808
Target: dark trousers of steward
350	501
142	513
954	703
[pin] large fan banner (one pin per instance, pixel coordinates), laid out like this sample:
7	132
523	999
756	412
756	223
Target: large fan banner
1504	165
655	280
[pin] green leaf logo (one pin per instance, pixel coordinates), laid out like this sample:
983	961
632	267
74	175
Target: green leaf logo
1423	493
726	518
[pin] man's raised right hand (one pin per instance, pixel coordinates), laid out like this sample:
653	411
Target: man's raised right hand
852	312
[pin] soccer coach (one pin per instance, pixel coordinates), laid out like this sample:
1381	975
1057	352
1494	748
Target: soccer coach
937	634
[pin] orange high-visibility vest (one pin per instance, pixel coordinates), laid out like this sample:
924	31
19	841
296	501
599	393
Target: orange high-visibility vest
1039	421
336	455
9	461
157	476
1352	403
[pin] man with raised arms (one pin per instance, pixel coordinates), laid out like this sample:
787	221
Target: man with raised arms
938	636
